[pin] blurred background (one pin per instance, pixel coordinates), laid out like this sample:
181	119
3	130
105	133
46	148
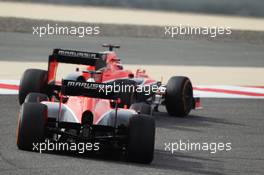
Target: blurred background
139	27
227	66
229	7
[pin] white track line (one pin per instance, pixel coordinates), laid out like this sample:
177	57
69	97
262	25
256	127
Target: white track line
203	91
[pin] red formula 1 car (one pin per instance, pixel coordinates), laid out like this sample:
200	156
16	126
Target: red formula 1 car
103	104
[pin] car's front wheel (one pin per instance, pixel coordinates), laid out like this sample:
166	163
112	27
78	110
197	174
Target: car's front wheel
179	96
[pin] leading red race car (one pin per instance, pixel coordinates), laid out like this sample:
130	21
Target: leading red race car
103	104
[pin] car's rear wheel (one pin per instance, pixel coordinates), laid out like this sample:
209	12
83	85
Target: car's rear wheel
141	139
179	96
141	108
33	80
31	125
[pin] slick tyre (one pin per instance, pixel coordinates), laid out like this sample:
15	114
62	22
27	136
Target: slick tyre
33	80
31	125
179	96
141	139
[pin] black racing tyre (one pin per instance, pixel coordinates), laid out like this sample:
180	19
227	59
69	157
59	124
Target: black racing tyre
36	97
31	125
179	96
141	108
141	139
33	80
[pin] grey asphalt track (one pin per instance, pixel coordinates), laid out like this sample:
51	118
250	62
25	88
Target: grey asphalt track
240	122
27	47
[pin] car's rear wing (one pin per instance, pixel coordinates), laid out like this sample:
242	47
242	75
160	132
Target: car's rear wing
88	89
76	57
71	57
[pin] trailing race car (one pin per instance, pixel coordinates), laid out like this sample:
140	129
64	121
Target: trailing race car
102	104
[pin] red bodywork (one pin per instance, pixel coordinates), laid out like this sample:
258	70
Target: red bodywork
112	71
